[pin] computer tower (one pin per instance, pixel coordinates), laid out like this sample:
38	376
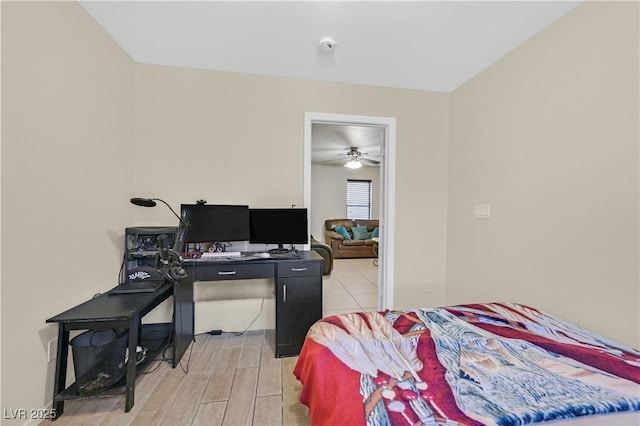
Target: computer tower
142	251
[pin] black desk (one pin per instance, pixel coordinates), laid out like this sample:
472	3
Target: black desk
298	305
298	290
121	311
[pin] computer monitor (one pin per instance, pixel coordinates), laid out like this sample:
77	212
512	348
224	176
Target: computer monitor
215	223
278	226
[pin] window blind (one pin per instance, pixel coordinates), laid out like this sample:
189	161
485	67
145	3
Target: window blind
358	199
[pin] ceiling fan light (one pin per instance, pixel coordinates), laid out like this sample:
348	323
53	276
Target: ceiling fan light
353	164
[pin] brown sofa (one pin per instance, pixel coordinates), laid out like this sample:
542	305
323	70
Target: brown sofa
349	248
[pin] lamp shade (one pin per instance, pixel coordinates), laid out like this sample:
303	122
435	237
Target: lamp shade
151	202
143	202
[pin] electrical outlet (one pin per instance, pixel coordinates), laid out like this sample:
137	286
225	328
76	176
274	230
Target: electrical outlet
429	287
52	351
482	211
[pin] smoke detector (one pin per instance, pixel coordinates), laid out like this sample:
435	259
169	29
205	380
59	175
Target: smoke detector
327	43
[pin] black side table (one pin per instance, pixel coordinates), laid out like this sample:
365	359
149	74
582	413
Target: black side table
103	312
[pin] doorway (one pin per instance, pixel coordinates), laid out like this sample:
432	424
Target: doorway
387	189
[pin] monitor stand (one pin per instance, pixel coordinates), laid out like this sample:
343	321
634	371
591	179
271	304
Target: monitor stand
279	250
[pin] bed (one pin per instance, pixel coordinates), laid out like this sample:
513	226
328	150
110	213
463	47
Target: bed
474	364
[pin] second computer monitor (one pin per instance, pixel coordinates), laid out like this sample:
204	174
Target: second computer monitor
278	226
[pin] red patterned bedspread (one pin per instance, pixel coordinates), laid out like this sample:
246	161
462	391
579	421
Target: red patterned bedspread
497	363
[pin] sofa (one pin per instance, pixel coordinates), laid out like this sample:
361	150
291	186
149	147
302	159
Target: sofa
349	245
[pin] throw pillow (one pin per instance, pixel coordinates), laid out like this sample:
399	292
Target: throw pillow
360	232
374	233
343	231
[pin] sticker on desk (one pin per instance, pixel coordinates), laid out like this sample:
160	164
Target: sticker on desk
139	275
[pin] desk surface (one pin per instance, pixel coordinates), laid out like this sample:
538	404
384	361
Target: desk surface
106	307
233	269
253	257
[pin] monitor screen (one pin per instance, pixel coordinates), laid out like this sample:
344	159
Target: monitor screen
278	226
215	223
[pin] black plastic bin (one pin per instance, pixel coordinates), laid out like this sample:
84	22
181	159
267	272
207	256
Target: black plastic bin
98	359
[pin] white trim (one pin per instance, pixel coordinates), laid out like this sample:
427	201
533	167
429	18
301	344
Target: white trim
307	177
387	193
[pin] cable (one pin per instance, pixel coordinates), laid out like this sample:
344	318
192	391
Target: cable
188	360
240	333
121	273
160	361
164	336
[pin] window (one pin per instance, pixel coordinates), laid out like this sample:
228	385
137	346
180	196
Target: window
359	199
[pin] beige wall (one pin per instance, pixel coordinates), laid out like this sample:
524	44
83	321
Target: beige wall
67	124
234	138
548	137
329	193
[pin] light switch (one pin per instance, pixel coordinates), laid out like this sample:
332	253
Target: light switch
482	211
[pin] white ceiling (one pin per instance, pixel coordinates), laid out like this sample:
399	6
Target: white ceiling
424	45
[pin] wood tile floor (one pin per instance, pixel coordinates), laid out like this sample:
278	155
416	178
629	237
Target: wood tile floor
231	379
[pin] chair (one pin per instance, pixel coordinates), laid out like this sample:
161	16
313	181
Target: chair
327	255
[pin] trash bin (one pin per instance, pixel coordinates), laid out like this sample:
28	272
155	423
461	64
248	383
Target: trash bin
98	359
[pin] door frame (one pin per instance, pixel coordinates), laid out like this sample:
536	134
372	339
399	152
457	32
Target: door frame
387	190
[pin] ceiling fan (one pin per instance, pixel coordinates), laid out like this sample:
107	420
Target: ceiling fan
356	159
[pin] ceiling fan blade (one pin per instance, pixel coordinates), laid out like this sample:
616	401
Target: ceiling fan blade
370	161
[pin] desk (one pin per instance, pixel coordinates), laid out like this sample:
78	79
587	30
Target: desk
298	290
298	305
117	311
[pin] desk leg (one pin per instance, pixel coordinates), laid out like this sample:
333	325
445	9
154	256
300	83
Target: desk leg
60	380
131	363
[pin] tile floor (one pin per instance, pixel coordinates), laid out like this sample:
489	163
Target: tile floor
352	286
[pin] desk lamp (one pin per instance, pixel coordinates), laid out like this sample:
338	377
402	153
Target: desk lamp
151	202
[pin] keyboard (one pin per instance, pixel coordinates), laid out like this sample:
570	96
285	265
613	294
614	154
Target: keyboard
221	254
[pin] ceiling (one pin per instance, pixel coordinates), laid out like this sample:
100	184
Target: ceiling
421	45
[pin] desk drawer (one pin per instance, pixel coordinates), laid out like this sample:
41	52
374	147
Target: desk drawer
299	269
236	271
